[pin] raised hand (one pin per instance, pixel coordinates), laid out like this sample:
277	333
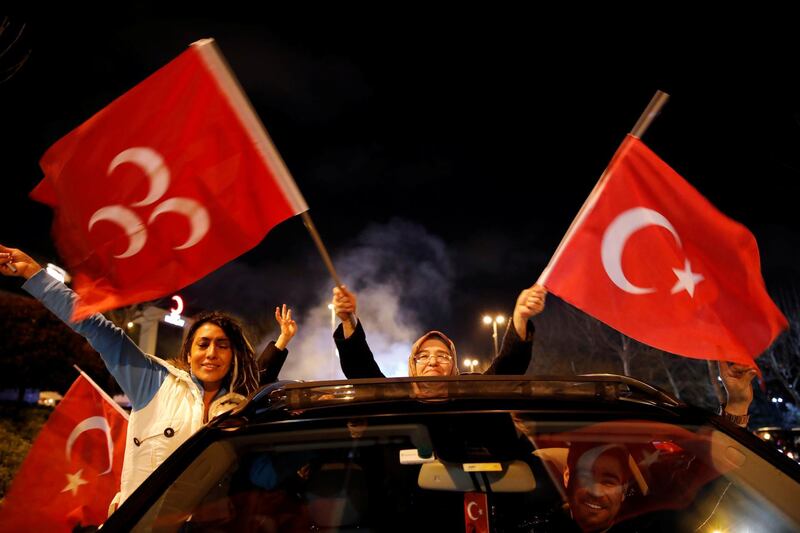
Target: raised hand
14	262
737	380
283	317
529	304
345	304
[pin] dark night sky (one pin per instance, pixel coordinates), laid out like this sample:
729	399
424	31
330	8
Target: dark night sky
467	146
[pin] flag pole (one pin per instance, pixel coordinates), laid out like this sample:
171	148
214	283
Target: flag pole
324	253
321	247
650	113
103	393
244	108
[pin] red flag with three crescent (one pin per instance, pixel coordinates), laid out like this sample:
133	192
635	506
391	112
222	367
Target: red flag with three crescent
165	184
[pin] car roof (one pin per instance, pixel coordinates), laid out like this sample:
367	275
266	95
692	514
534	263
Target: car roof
293	398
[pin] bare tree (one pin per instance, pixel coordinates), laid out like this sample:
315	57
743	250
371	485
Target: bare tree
607	341
713	379
570	341
670	376
12	53
783	357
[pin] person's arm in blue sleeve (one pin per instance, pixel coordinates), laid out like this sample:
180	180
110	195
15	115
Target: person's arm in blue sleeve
137	375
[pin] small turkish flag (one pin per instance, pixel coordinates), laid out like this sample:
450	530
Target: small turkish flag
476	512
170	181
72	471
652	258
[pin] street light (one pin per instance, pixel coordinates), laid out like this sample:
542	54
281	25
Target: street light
334	364
333	317
333	328
471	363
499	319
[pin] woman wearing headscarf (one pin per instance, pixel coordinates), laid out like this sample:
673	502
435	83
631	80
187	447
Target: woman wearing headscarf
434	354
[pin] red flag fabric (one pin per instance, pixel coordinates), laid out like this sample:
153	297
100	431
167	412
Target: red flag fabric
167	183
654	259
72	471
667	464
476	513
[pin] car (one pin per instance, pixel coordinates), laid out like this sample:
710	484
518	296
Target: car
787	440
468	453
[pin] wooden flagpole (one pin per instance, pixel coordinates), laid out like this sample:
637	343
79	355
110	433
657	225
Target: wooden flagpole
321	247
103	393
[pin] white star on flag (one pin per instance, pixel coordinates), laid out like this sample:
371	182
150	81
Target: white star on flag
75	481
686	279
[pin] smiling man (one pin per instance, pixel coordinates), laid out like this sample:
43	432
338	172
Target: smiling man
596	479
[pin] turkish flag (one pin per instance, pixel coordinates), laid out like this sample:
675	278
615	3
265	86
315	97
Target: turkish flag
476	513
72	471
652	258
666	465
168	182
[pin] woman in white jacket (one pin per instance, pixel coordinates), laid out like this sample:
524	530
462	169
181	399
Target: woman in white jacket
170	399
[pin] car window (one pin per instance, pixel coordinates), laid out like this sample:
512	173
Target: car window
515	471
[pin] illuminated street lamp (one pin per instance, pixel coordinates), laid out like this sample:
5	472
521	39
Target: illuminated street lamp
333	328
333	317
471	363
499	319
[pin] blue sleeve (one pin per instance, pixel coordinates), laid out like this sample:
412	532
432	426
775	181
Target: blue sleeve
137	375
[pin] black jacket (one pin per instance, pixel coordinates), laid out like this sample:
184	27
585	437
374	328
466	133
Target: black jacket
358	362
270	363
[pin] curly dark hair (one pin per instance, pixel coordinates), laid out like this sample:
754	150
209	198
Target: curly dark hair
243	375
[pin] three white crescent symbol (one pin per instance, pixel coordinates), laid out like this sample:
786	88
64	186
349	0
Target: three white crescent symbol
153	165
94	422
618	233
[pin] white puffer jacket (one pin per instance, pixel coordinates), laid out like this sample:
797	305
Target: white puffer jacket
158	429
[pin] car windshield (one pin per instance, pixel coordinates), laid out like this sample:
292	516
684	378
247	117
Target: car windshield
475	470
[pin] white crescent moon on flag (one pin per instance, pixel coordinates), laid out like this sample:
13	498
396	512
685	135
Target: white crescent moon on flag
128	221
470	505
618	233
94	422
194	211
151	164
